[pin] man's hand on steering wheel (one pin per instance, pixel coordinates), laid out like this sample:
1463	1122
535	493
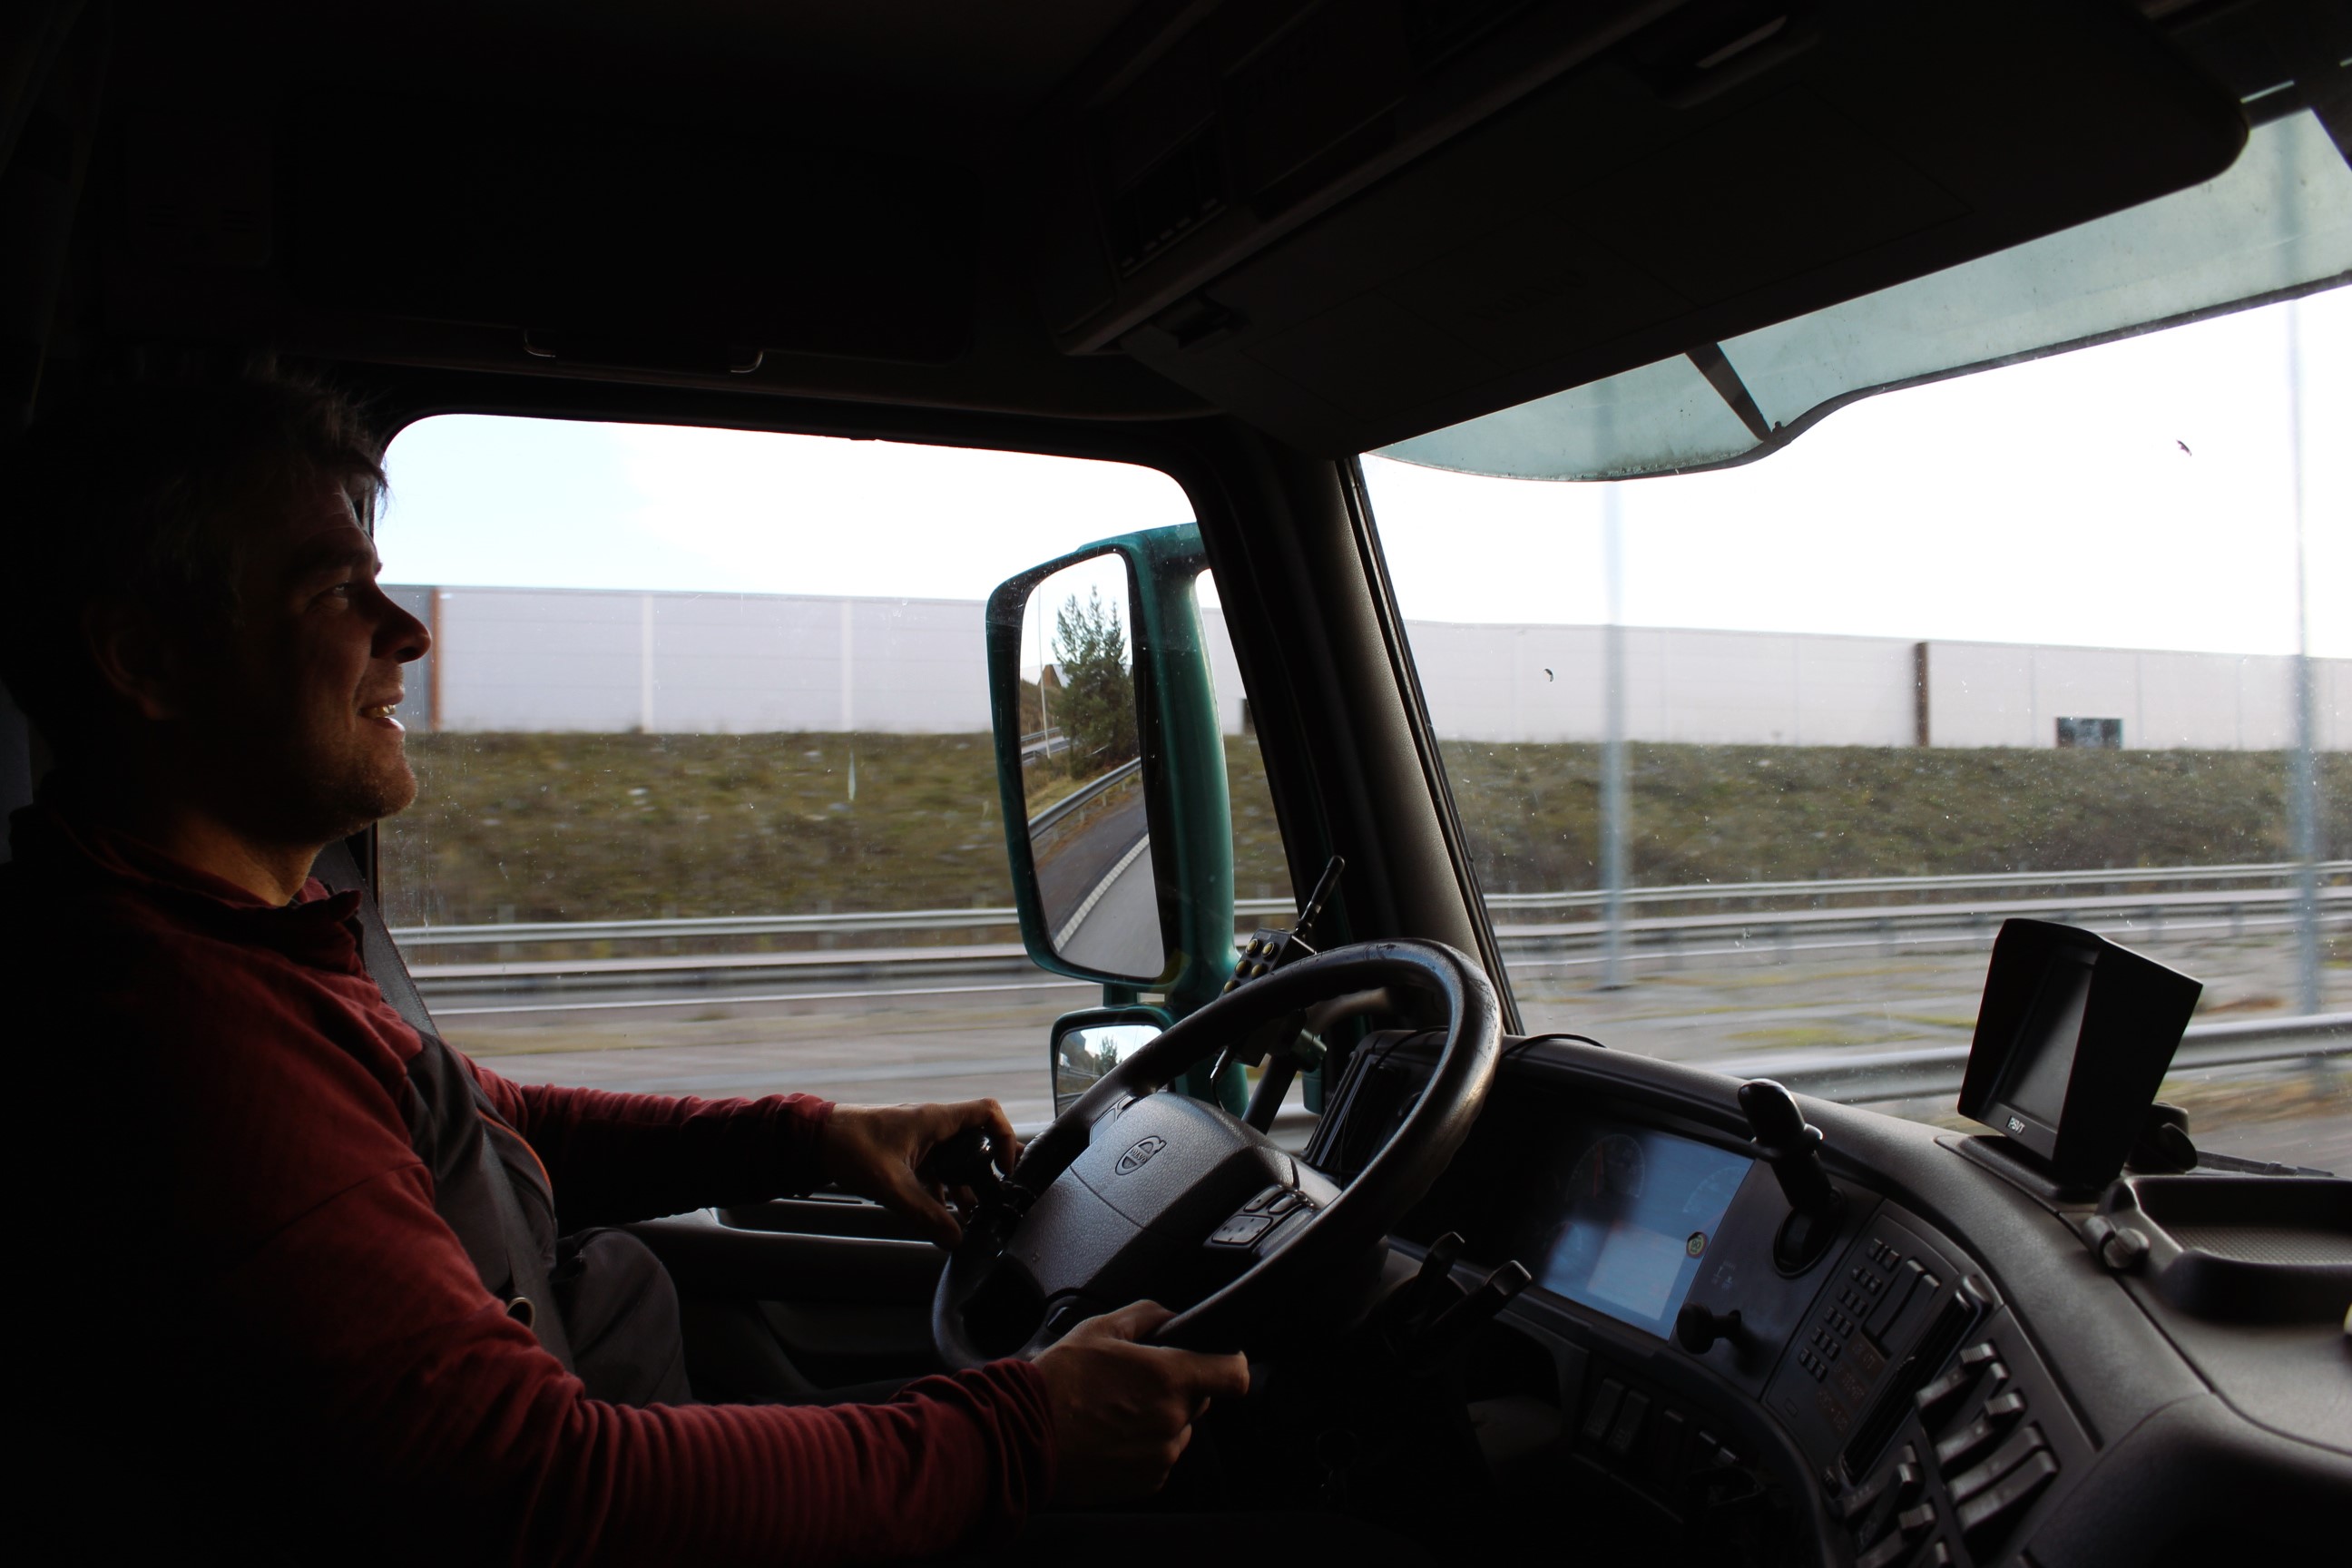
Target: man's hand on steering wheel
876	1151
1124	1411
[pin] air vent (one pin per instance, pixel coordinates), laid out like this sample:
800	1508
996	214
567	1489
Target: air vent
1952	1325
1170	200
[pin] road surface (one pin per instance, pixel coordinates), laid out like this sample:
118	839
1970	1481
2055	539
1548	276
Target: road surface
1094	882
952	1040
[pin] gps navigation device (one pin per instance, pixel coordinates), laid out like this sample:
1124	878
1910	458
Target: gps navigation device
2072	1042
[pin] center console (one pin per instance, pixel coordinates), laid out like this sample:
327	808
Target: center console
1879	1394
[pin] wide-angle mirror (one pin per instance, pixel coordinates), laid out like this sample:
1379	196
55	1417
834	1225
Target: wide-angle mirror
1087	1046
1082	772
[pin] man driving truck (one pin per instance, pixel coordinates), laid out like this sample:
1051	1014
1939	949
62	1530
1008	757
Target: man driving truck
346	1294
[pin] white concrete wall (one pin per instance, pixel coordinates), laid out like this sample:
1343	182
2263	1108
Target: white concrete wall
553	660
1998	694
1224	671
1545	683
537	659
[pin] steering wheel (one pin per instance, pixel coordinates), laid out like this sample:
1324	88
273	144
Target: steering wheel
1133	1193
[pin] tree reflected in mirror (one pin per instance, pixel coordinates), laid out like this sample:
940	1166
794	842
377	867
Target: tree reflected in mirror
1087	1053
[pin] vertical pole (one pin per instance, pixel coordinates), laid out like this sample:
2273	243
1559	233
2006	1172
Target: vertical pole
848	697
645	663
433	661
848	652
2303	780
1919	717
1045	713
1612	745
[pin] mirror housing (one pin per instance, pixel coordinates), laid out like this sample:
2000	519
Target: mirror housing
1181	766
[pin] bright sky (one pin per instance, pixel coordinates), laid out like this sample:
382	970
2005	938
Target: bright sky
2134	495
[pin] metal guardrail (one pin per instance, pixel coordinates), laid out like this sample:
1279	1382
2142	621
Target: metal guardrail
684	975
1863	1077
825	924
1950	888
2154	909
1973	882
1093	790
1858	1074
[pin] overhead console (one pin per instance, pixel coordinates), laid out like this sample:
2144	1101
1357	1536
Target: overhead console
1352	221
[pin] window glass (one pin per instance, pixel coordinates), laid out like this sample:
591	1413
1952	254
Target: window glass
709	802
1754	763
1262	889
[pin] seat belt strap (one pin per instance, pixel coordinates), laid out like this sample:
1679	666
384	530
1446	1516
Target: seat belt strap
339	869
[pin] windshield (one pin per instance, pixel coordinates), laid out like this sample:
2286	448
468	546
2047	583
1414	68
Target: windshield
1752	764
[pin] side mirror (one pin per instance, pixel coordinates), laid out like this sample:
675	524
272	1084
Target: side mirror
1088	1045
1083	797
1112	769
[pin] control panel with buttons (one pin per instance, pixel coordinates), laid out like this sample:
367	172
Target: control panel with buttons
1871	1314
1935	1434
1982	1444
1646	1437
1250	1225
1931	1422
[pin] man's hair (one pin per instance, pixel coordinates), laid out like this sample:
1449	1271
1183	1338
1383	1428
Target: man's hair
145	494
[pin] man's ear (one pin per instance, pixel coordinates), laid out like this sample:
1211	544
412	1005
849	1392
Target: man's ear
134	660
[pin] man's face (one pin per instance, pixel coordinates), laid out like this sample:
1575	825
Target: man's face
293	707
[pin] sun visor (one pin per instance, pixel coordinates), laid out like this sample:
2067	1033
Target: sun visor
2278	224
1725	168
608	239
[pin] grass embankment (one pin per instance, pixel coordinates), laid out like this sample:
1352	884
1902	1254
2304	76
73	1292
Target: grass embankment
1770	812
577	826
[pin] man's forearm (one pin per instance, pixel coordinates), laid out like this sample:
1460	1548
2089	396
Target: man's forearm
413	1400
613	1158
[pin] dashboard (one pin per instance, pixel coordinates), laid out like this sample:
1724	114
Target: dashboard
1967	1371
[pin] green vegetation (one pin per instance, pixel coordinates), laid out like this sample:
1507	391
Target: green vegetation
1097	709
589	827
611	826
1738	814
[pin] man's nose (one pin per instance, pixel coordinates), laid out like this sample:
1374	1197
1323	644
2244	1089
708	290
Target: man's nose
399	635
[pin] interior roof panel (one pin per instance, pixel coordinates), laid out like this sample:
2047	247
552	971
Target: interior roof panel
949	75
946	87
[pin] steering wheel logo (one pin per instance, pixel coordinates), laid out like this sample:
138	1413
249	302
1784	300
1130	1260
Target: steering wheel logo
1133	1160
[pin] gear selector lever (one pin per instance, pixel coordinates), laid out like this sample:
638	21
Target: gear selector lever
1792	1147
968	1160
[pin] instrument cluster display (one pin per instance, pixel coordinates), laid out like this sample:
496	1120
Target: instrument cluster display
1628	1213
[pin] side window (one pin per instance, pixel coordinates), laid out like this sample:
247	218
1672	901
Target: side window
707	802
1262	891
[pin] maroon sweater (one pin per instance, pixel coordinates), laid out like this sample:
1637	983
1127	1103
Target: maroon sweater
309	1327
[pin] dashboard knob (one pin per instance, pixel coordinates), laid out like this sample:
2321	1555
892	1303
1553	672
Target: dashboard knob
2124	1248
1696	1328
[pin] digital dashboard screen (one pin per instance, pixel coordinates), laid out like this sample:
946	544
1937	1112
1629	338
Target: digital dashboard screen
1629	1217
